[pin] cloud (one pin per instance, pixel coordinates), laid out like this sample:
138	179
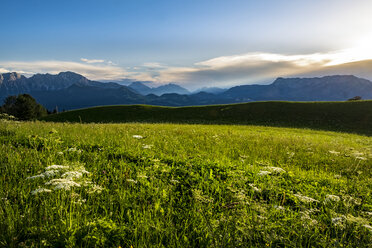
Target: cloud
260	68
93	61
91	71
3	70
221	71
154	65
243	69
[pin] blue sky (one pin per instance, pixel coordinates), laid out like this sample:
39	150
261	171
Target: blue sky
195	43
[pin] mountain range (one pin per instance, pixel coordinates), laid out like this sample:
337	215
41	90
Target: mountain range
143	89
69	90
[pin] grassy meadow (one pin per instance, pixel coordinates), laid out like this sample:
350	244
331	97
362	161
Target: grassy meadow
178	185
350	116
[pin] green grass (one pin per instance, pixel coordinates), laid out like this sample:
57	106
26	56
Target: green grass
184	186
333	116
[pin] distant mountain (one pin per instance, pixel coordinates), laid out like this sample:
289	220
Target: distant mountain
68	90
14	83
212	90
140	88
170	88
328	88
143	89
82	96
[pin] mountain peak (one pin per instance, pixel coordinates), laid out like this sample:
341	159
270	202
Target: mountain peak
10	76
138	84
71	76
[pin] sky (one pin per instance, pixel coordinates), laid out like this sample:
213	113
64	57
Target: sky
195	43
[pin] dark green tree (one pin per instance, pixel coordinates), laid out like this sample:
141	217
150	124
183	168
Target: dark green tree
355	98
24	107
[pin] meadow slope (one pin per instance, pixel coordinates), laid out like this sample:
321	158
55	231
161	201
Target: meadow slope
334	116
170	185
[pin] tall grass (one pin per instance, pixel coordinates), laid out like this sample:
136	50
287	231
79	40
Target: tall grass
182	186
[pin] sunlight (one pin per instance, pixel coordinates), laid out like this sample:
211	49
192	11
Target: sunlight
362	50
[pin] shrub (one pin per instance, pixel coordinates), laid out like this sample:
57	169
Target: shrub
24	107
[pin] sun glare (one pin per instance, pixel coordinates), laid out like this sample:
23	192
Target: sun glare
361	50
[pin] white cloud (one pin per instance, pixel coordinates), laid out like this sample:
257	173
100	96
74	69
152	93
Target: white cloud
91	71
242	69
258	67
3	70
154	65
93	61
220	71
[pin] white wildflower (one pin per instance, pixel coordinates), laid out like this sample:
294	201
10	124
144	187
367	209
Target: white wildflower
174	181
85	183
73	149
84	171
147	146
368	227
61	183
95	189
357	220
40	190
59	153
281	208
305	199
290	154
264	173
276	170
255	189
80	201
331	199
357	154
51	173
131	181
261	217
75	174
339	221
56	167
334	152
240	196
348	200
36	176
361	158
136	136
308	221
72	174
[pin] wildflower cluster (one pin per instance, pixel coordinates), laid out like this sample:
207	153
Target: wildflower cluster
63	177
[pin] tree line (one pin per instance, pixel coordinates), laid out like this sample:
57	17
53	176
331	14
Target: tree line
23	107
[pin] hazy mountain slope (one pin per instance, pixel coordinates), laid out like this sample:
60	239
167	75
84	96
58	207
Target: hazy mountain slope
213	90
362	69
169	88
140	88
143	89
80	96
328	88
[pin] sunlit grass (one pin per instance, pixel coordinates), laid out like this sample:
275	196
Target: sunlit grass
168	185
